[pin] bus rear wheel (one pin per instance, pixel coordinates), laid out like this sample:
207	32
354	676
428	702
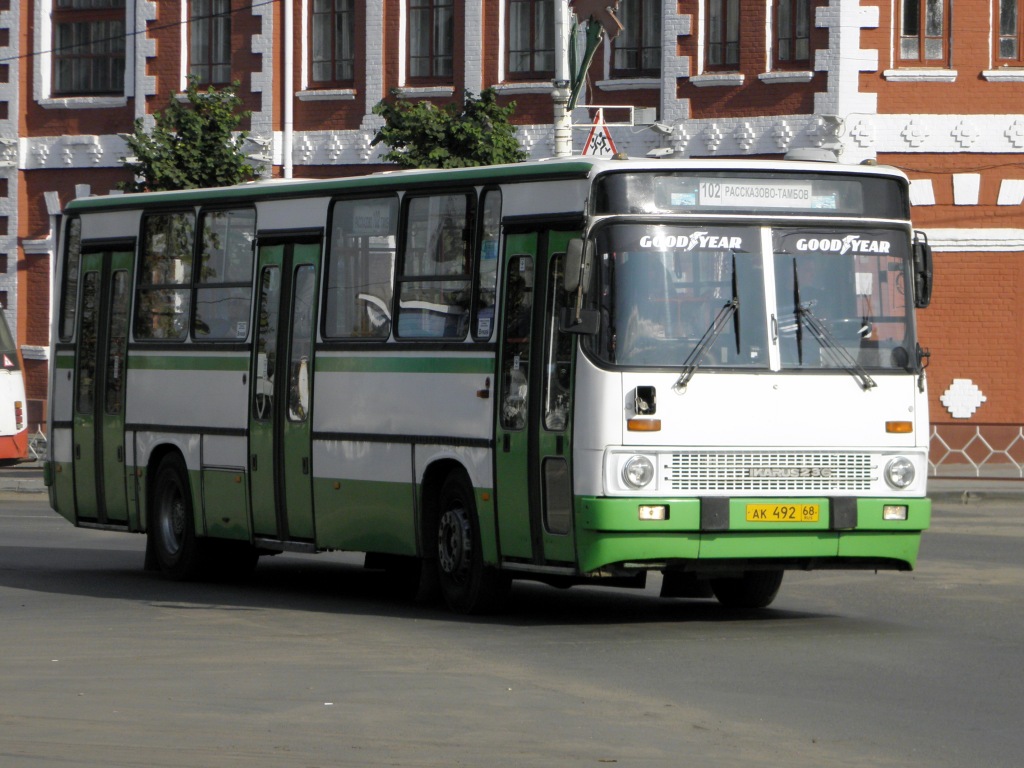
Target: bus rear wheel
171	532
467	585
749	592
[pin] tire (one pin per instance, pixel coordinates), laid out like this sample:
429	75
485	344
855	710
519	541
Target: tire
750	592
171	537
467	585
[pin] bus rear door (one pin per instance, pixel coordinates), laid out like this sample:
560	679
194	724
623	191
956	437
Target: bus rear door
101	366
280	453
534	418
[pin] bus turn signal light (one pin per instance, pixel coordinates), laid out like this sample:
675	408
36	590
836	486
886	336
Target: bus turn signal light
899	427
643	425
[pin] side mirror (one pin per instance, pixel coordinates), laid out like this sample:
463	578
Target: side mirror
922	271
577	264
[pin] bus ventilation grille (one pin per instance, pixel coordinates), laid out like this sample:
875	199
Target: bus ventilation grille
768	472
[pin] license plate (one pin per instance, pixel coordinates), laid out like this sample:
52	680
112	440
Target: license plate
783	513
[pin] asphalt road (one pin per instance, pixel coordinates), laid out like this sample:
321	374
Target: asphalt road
312	663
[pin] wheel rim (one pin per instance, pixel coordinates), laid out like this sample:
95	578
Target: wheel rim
455	544
172	521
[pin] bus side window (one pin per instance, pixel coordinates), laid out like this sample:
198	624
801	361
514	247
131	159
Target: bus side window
224	280
515	373
69	275
434	286
558	366
361	268
165	277
487	265
266	343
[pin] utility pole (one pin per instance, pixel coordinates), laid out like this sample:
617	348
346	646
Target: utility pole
598	18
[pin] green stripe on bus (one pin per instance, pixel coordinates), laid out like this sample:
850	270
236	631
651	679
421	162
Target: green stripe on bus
405	365
187	363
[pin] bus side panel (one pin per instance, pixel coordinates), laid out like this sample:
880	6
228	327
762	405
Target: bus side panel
364	488
225	502
62	491
363	496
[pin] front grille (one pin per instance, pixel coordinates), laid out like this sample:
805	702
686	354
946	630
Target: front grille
766	472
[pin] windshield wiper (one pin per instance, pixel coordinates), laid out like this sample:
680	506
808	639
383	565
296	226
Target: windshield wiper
728	311
829	344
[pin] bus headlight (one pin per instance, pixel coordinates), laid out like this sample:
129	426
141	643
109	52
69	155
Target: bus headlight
900	472
638	472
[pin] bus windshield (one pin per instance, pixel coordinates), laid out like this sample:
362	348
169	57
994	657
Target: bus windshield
671	296
7	344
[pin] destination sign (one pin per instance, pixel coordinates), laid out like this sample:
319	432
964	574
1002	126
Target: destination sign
751	193
852	193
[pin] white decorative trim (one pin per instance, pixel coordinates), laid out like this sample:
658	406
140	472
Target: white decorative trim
922	75
629	84
38	247
512	87
33	352
674	66
724	79
966	188
962	398
84	102
1001	240
1011	192
922	192
1004	75
782	76
327	94
443	91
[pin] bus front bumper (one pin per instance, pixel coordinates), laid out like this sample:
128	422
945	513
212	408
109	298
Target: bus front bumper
715	534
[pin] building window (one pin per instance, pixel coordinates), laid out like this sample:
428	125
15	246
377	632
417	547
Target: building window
431	40
531	39
792	32
333	36
723	34
923	31
88	47
1010	33
636	52
210	42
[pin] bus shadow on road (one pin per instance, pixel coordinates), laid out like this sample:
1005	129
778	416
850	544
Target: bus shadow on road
340	584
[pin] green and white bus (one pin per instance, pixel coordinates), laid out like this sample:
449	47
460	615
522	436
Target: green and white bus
572	371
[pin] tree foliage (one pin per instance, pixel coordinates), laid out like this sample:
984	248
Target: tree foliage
192	145
422	135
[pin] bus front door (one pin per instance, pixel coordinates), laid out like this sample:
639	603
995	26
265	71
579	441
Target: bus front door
101	365
280	445
533	430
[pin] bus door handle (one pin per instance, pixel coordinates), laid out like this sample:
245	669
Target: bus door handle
254	462
775	329
506	442
120	454
78	450
305	465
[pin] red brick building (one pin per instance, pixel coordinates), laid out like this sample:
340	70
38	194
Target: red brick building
900	82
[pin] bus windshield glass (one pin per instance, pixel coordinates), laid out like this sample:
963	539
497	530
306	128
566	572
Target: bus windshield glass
7	345
674	295
841	294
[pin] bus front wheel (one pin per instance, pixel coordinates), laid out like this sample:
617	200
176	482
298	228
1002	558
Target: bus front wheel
171	533
467	585
751	591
